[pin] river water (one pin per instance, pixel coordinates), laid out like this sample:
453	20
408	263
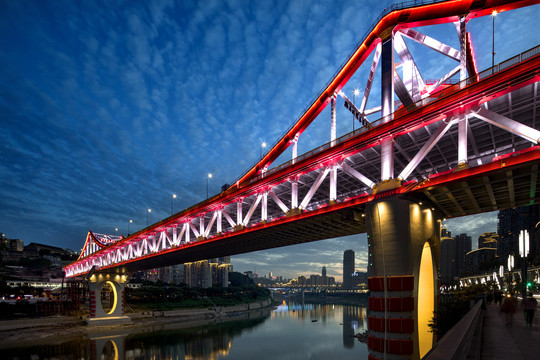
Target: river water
290	331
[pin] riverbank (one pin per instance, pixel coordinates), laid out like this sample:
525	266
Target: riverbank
57	329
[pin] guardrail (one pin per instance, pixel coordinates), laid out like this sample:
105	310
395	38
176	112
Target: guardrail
458	341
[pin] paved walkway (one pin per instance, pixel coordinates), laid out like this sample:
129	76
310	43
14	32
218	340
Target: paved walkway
510	342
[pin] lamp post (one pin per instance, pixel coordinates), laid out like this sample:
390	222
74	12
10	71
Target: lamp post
130	222
355	92
524	253
207	180
116	231
148	212
493	14
172	200
510	268
263	146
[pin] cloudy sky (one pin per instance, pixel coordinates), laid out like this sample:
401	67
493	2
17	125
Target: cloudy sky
108	108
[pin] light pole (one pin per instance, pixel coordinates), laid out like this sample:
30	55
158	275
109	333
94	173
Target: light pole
207	180
172	199
510	268
116	231
263	146
524	252
355	92
130	222
493	14
148	212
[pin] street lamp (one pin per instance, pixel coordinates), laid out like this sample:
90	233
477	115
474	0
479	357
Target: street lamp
524	252
148	212
130	222
510	268
172	199
355	92
116	231
263	146
207	180
493	14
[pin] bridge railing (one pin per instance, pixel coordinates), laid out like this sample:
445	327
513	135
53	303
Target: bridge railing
458	343
510	62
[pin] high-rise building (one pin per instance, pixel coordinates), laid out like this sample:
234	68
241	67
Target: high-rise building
488	240
324	278
198	274
511	222
348	269
463	243
448	260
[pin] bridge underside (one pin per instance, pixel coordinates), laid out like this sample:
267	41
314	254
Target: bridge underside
348	221
506	183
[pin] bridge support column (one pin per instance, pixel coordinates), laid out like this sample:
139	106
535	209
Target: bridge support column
115	313
404	251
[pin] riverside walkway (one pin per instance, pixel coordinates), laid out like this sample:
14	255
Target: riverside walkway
500	342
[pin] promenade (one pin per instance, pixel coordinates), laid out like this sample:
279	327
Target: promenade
500	342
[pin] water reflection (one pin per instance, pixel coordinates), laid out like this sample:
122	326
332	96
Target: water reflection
291	330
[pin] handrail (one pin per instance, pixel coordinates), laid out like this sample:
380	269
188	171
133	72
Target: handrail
456	343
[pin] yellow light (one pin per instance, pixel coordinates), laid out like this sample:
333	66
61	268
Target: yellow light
115	297
426	300
494	13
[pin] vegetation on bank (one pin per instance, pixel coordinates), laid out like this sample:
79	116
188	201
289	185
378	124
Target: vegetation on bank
161	297
454	306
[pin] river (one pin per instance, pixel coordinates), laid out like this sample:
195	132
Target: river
290	331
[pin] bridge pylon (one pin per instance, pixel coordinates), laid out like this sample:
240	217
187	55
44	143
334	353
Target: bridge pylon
404	252
114	314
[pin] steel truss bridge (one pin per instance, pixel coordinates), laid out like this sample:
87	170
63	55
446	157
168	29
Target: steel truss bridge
466	143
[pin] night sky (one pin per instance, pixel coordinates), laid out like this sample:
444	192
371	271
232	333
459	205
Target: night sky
108	108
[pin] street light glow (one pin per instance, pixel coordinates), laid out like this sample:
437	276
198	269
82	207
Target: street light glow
494	13
210	175
356	92
174	196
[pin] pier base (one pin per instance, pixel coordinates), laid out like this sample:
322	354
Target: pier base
404	252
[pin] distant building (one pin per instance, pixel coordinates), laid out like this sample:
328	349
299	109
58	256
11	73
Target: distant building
448	260
511	222
348	269
198	274
463	243
480	260
488	240
43	249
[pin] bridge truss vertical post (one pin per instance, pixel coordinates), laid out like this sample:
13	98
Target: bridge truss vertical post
387	106
404	252
333	120
461	27
463	125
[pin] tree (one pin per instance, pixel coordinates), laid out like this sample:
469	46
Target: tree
237	279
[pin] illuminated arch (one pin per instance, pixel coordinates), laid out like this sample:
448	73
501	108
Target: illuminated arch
426	300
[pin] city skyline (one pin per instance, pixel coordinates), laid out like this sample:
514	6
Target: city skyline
113	115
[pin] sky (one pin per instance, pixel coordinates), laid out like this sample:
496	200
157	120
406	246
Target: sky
107	108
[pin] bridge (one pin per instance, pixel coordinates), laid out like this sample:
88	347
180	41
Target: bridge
464	144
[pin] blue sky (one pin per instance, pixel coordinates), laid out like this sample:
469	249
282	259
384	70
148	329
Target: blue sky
108	108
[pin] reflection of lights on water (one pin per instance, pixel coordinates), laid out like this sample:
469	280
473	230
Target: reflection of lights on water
354	324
